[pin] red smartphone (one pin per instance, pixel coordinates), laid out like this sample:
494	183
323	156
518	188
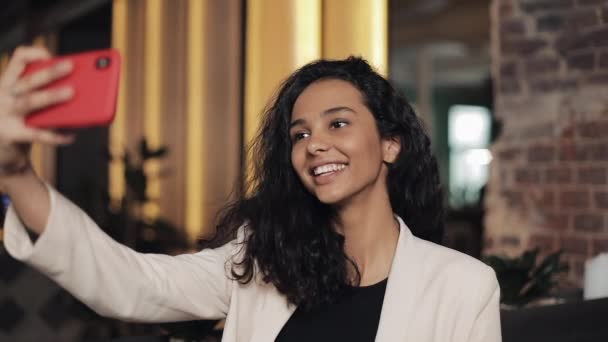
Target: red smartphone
94	78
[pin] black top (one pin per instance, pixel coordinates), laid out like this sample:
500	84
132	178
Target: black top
353	318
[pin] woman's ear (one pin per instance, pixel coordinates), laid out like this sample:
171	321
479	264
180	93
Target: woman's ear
390	149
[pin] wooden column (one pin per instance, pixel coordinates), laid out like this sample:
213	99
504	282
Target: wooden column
282	35
356	27
181	88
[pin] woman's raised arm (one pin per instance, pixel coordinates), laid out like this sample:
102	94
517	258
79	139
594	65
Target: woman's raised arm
112	279
19	96
116	281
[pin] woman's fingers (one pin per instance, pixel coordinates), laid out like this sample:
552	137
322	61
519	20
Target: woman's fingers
30	102
19	96
41	78
14	131
47	137
21	57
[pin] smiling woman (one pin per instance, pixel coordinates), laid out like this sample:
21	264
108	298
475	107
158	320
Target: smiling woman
335	240
337	150
344	117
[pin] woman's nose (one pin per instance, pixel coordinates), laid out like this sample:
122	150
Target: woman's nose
317	143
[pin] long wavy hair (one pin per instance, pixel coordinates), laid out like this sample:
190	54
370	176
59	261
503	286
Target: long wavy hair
291	238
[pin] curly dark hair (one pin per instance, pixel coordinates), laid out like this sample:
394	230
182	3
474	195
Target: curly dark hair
291	238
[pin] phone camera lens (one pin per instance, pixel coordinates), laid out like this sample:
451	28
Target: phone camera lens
102	62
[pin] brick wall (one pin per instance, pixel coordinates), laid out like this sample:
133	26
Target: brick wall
548	185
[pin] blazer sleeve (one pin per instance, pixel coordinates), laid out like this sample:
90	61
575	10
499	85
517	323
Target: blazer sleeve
116	281
486	327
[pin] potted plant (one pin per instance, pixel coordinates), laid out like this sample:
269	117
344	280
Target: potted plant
523	279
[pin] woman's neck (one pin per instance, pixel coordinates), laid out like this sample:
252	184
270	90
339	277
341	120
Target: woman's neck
371	233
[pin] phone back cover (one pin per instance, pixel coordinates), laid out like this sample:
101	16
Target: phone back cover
95	92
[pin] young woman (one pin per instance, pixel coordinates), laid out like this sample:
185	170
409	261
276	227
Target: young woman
335	241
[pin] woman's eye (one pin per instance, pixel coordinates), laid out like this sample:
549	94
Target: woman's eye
338	124
299	136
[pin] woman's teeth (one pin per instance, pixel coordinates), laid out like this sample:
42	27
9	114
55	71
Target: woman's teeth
328	168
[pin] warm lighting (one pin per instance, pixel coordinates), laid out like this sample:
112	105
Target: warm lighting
282	35
152	99
356	27
118	132
379	35
195	171
307	38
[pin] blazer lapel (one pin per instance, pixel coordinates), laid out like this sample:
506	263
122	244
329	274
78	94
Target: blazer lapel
397	308
273	312
401	290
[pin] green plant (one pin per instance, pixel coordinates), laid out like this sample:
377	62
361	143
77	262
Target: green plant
523	279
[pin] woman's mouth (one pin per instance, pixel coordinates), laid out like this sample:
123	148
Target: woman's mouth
326	173
327	168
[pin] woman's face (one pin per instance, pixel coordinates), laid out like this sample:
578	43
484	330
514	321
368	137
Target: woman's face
337	151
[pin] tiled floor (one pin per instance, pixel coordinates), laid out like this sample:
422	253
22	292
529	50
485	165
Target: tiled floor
32	307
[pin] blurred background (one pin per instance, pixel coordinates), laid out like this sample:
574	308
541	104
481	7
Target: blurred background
514	94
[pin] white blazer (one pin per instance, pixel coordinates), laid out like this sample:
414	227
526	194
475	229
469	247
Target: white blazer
433	293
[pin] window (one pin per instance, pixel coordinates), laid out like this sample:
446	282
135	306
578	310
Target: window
468	140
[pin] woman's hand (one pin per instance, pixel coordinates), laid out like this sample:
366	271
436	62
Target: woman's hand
21	95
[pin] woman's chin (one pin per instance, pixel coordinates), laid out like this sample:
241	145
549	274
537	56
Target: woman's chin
330	198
